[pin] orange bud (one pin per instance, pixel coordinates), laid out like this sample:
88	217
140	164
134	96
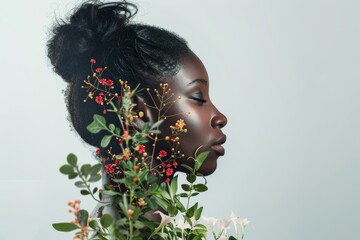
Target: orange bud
130	212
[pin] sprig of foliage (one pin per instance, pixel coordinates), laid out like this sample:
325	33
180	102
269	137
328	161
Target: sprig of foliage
141	182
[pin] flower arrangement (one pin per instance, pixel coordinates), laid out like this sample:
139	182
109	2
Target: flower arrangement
141	183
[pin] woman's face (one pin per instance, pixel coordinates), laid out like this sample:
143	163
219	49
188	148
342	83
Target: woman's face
204	122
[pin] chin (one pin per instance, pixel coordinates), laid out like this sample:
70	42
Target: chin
209	166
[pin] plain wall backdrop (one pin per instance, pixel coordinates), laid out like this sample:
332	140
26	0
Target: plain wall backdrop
286	74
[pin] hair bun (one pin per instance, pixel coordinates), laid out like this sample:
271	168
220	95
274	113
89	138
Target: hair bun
73	43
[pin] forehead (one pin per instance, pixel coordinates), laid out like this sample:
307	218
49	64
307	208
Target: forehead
191	68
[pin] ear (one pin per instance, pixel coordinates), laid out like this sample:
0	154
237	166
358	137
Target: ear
147	113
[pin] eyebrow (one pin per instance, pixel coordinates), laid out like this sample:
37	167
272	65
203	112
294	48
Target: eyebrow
199	80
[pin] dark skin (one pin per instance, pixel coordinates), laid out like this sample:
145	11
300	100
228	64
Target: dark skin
204	123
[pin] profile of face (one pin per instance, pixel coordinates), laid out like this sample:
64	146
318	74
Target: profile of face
204	122
67	50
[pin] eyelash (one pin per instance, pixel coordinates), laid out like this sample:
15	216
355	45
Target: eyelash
199	99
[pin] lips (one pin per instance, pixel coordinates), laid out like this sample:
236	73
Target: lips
217	146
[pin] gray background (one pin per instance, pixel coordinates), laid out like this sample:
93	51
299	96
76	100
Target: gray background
286	74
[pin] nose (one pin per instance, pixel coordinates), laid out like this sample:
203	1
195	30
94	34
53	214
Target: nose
218	120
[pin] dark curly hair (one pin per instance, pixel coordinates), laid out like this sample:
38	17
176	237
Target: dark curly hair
133	52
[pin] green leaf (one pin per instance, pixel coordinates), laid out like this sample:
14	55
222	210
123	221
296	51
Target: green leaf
196	235
197	213
190	212
135	90
111	127
187	167
105	140
100	196
65	227
157	124
94	190
118	236
174	186
194	194
186	187
139	225
94	178
72	175
162	203
172	210
183	195
110	193
163	235
106	220
85	169
72	159
200	187
200	159
93	224
201	227
83	217
122	180
84	192
97	125
191	178
66	169
165	194
117	131
95	169
146	127
188	220
102	237
154	131
232	238
80	184
179	205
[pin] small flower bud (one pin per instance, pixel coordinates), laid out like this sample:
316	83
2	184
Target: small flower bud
130	212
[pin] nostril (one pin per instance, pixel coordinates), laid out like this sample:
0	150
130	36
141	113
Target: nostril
219	120
221	125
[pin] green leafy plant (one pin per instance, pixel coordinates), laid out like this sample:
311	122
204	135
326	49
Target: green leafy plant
141	183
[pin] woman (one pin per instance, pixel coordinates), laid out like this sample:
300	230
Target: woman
139	54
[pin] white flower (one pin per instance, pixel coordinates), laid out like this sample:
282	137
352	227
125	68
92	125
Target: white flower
193	222
244	222
183	225
165	219
224	224
211	222
234	218
223	238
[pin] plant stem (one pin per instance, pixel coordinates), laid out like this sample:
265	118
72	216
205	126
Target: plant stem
190	192
87	186
131	228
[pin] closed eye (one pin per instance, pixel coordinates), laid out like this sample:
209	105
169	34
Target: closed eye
198	97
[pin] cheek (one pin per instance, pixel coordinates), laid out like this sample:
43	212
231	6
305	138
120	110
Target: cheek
197	124
199	134
199	131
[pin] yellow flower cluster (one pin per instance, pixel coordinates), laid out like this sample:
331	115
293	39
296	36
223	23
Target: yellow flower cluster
179	127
